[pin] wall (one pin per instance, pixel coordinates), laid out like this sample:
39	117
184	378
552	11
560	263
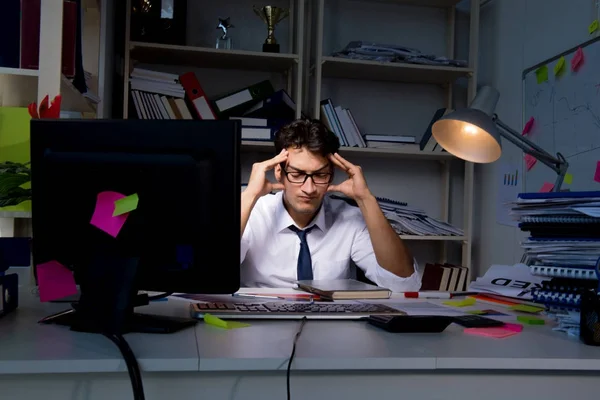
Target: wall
516	34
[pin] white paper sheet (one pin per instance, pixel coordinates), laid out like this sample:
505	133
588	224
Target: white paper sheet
508	280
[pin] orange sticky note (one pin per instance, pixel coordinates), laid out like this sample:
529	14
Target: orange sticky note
528	126
55	281
577	60
547	187
530	161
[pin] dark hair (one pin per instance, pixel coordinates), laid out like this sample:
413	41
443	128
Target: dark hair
312	134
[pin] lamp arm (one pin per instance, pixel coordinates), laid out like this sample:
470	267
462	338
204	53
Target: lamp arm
558	164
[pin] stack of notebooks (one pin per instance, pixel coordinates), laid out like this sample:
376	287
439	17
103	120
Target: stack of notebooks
563	246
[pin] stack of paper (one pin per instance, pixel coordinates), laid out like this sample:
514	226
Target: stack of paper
510	281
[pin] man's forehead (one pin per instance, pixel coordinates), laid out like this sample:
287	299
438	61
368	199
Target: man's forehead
304	160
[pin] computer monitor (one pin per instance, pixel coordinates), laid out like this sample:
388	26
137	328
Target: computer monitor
183	235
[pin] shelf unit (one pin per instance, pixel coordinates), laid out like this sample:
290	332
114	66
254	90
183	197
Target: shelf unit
21	87
326	66
290	64
297	66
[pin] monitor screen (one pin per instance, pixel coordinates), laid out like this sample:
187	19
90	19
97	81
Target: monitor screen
186	175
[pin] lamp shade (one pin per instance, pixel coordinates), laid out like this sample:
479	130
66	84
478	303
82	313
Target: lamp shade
470	133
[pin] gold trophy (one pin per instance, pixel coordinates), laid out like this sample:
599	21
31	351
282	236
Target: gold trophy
271	16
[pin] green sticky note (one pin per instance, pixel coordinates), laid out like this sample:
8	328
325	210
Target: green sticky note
526	308
568	179
126	204
469	301
593	27
530	320
14	134
542	74
218	322
559	67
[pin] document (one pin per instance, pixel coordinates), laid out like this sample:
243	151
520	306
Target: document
514	281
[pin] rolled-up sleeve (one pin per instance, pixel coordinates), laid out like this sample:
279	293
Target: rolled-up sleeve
363	256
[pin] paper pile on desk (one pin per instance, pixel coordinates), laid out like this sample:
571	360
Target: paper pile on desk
514	281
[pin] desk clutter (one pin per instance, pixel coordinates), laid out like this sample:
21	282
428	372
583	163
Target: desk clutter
563	248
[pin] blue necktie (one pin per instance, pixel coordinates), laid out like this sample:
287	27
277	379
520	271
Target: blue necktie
304	261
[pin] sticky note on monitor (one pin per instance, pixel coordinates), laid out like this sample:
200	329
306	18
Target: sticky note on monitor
103	218
126	204
55	281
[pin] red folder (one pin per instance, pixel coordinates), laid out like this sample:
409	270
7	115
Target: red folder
197	100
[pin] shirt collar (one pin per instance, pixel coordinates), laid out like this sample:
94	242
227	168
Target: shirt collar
283	220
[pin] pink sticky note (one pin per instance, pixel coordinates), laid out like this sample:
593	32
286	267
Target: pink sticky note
597	173
530	161
55	281
499	332
547	187
528	126
513	327
577	60
103	214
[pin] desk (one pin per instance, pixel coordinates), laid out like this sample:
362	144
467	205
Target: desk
334	360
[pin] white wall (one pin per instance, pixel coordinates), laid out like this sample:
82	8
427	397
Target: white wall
516	34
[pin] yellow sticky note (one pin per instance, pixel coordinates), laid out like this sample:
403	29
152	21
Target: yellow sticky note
542	74
126	204
469	301
218	322
530	320
559	67
593	27
568	179
526	308
476	312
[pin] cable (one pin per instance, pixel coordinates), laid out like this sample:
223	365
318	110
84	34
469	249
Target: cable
133	368
292	355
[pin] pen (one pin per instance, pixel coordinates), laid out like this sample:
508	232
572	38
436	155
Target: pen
254	296
428	295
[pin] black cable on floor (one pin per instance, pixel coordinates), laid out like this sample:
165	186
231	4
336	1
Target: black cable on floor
133	368
298	333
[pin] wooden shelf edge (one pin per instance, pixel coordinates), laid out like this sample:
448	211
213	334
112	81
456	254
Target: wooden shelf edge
434	238
268	146
208	50
18	71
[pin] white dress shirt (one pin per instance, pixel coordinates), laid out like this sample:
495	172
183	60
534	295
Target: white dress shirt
269	249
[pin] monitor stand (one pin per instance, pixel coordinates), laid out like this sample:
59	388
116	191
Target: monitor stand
109	295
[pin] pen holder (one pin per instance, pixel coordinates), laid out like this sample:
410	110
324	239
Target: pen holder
589	320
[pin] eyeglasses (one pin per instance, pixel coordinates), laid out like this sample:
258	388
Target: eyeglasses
319	178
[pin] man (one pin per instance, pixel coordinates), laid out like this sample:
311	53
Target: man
299	233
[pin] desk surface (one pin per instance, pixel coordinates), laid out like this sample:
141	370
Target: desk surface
29	347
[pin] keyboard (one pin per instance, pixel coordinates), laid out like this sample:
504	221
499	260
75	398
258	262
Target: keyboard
291	310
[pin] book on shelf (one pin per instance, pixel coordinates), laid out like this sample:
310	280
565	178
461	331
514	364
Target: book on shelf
444	277
260	129
341	122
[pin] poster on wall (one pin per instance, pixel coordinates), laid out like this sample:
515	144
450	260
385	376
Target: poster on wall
508	182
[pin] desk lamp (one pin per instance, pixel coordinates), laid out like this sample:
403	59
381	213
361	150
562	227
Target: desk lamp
473	134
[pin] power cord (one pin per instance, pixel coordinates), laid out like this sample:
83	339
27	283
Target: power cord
289	367
133	368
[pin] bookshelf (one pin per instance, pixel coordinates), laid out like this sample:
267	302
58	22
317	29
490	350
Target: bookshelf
306	66
325	67
290	65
